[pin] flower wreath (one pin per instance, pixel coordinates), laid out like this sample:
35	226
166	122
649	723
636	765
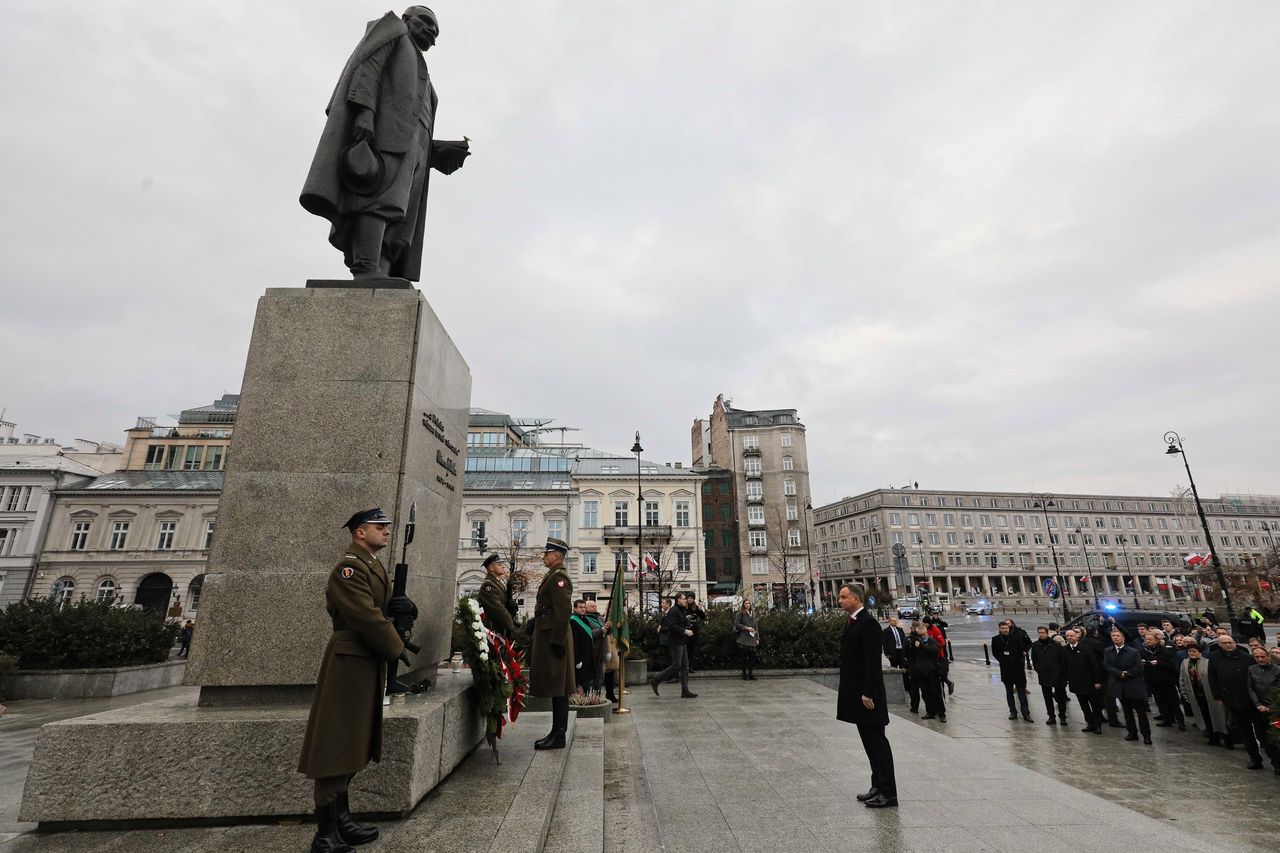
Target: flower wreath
497	671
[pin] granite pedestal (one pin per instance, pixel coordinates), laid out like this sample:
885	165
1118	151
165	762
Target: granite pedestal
353	397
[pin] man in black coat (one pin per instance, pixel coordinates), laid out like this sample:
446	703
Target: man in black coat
1085	677
676	628
1050	666
1127	683
895	649
1229	679
1161	675
1008	650
862	699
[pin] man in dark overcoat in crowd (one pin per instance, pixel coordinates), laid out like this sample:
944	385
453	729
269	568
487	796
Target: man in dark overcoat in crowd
862	700
1085	678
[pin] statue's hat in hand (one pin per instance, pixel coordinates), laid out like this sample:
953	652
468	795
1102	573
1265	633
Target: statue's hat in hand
362	168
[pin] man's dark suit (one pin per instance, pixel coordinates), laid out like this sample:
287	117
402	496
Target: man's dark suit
861	674
895	649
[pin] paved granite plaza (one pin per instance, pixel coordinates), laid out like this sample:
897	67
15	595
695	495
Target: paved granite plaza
765	766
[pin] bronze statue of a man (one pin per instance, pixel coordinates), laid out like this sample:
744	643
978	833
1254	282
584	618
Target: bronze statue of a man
369	177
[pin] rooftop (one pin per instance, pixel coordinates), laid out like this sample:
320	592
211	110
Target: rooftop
157	481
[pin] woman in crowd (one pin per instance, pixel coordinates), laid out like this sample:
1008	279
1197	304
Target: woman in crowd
747	635
1207	712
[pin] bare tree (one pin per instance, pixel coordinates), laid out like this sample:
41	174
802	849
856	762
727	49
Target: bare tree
665	574
787	559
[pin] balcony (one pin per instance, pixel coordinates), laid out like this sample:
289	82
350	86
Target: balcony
629	533
755	499
758	549
753	473
751	451
755	522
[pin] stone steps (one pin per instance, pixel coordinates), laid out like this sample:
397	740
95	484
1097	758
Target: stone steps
577	824
528	818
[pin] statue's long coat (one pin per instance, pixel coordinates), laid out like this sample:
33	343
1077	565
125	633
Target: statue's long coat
387	74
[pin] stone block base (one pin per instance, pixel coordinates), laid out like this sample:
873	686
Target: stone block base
173	761
91	683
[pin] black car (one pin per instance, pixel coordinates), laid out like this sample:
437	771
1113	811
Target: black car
1129	620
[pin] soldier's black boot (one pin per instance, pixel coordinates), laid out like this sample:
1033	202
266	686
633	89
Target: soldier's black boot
353	833
559	725
327	839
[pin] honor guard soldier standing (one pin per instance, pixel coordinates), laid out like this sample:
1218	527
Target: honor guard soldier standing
493	597
344	730
550	660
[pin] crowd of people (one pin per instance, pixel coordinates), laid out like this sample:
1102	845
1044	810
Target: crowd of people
1202	678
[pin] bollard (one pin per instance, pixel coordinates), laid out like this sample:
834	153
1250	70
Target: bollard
986	654
951	652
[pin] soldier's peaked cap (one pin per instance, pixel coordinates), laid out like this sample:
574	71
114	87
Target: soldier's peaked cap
491	559
554	544
368	516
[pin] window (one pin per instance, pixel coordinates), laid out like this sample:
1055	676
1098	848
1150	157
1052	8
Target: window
682	513
18	498
63	589
590	562
759	565
555	527
591	513
164	542
213	458
934	539
194	591
106	590
751	441
651	513
478	537
755	514
756	539
621	561
949	519
519	532
726	538
726	512
1002	521
930	519
988	539
966	520
208	535
895	538
119	535
621	513
786	439
755	489
7	537
155	457
787	464
726	487
984	520
793	538
708	512
895	519
789	486
195	453
953	539
751	465
684	561
793	512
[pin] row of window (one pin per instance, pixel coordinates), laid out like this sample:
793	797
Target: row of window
191	457
1023	562
751	465
752	440
625	561
622	513
108	588
119	540
16	498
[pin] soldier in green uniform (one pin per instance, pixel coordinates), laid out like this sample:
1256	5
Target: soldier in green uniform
552	665
344	731
493	597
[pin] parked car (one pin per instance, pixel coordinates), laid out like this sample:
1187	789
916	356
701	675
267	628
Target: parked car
1129	620
981	607
908	608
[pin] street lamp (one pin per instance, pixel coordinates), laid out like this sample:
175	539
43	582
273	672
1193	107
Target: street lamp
637	450
1133	582
808	554
1174	442
1088	568
1042	502
924	570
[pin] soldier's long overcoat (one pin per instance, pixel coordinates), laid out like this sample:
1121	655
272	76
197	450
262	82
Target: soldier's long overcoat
344	731
552	675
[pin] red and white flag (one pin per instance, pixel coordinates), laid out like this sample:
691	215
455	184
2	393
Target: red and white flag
650	563
1194	560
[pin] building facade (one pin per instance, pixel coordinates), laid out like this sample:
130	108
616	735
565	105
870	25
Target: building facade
720	530
31	469
1009	546
766	453
141	535
519	490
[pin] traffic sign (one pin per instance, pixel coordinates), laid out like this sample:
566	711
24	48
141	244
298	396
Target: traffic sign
1050	587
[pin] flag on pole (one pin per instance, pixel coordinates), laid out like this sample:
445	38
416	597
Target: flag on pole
650	563
631	561
1194	560
618	611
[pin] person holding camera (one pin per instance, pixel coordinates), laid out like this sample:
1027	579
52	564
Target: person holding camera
922	662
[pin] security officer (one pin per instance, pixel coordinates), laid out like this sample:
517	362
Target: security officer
493	597
344	730
550	660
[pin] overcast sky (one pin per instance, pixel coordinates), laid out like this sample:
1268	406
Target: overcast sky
975	245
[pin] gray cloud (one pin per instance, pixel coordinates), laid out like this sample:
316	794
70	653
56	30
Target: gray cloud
975	246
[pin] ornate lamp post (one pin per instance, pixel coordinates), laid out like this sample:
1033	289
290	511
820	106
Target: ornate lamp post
1174	442
1133	582
1088	568
1042	502
637	450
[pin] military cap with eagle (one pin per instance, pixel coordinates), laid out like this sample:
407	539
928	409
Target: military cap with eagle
554	544
368	516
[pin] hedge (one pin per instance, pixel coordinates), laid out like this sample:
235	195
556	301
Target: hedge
789	639
83	635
